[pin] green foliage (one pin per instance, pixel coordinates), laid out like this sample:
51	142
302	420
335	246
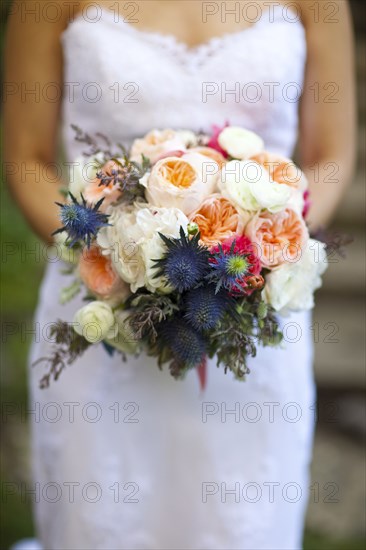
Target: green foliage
69	292
148	311
236	337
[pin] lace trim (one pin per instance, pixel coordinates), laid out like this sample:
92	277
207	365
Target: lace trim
179	48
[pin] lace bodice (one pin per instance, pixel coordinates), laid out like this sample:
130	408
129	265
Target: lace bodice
122	81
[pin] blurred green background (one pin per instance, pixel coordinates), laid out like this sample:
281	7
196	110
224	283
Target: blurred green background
339	447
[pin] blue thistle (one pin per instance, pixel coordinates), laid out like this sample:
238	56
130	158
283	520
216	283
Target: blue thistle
228	268
81	221
185	262
185	343
204	306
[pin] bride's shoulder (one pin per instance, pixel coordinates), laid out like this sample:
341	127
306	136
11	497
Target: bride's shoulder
319	12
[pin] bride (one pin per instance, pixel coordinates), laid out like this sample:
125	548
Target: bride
124	456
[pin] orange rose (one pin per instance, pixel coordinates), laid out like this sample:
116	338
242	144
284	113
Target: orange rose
281	170
217	220
94	191
279	237
97	274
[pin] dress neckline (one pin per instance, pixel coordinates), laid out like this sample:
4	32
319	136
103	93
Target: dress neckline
108	16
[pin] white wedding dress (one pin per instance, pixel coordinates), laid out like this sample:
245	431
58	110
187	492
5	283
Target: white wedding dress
125	457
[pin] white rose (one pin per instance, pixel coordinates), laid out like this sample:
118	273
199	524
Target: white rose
124	340
82	173
181	182
133	242
291	287
158	142
120	239
240	143
248	185
95	322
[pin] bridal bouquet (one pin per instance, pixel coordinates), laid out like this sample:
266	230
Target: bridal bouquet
185	247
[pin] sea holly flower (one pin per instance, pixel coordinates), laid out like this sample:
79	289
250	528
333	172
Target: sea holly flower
185	262
235	266
204	306
82	221
186	344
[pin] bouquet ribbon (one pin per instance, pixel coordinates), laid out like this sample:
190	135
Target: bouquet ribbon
202	373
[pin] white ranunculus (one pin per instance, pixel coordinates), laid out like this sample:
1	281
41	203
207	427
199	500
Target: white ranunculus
291	287
82	171
95	322
181	182
240	143
248	185
132	240
124	340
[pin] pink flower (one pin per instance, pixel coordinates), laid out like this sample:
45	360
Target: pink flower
214	140
243	247
307	204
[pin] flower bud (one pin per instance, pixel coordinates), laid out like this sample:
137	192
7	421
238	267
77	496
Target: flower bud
255	281
192	228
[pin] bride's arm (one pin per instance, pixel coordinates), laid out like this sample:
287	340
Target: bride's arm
327	114
33	60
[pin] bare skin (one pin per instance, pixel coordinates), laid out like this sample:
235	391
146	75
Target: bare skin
34	55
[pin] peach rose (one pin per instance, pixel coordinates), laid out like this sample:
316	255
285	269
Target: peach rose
279	237
158	142
181	182
217	220
282	170
98	275
94	190
210	153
